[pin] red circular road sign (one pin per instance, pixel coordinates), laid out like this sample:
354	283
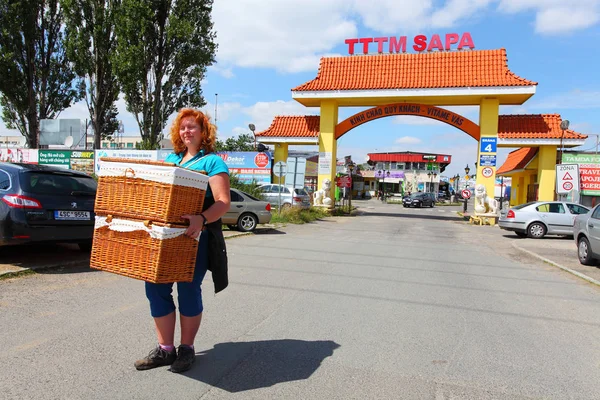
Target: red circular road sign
567	185
261	160
466	193
344	182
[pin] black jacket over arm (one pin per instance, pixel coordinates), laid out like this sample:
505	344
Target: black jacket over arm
217	252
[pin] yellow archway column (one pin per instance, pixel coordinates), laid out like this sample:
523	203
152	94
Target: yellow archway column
546	173
281	154
488	125
328	144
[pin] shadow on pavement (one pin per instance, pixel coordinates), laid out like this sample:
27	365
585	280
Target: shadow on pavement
40	255
415	216
240	366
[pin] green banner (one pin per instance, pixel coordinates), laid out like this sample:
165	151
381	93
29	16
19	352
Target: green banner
580	158
55	157
589	171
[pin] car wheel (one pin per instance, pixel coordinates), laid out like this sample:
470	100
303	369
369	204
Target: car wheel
536	230
521	234
247	222
584	252
85	246
432	204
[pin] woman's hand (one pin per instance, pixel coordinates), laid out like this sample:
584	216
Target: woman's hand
196	225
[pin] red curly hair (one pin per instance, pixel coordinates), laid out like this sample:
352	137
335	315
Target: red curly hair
209	131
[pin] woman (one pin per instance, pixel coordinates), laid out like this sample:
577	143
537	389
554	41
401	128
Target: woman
194	139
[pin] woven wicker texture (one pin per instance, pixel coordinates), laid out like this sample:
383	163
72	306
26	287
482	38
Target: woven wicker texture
131	197
137	255
136	161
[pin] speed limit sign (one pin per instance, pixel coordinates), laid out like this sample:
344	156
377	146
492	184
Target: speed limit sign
487	172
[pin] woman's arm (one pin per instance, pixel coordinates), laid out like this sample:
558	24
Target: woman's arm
219	185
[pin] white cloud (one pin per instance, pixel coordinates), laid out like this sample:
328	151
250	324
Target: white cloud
223	71
408	140
576	99
225	110
286	35
556	16
262	113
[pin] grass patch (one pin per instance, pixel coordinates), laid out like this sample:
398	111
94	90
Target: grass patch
17	274
294	215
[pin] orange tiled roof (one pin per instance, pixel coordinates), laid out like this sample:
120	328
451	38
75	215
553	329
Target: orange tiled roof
286	126
517	160
538	126
455	69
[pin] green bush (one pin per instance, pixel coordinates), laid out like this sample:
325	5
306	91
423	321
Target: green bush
295	215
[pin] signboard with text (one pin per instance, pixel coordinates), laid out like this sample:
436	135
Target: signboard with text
249	166
567	178
487	160
589	171
487	145
398	44
147	155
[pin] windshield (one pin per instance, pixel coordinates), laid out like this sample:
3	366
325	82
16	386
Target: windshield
301	192
523	205
57	184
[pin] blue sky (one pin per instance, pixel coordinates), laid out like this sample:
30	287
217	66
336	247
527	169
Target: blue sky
267	47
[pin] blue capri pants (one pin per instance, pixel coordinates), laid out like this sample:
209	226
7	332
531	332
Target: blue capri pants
189	294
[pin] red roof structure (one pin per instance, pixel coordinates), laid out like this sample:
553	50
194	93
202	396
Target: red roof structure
454	69
538	126
293	127
517	160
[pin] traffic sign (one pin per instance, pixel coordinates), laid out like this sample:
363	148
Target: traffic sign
466	194
344	182
280	169
487	172
487	145
487	160
567	178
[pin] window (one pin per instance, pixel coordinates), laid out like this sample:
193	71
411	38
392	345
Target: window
130	145
577	209
400	166
409	165
393	165
554	208
266	188
301	192
421	166
596	213
235	196
57	184
4	180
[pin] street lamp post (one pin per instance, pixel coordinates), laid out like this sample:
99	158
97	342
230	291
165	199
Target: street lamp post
564	125
350	168
253	128
467	170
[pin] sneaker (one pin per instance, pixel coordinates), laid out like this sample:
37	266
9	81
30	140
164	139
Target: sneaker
157	358
186	356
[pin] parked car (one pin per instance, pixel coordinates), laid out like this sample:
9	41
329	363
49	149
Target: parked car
46	204
289	197
246	212
419	199
540	218
586	232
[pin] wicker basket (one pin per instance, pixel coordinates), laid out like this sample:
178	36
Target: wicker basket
149	190
152	252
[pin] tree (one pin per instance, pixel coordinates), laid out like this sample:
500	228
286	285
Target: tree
163	49
36	76
91	43
244	142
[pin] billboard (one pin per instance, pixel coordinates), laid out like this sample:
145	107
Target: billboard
146	155
248	166
70	159
26	156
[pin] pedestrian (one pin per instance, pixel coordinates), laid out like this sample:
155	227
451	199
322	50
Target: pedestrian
194	139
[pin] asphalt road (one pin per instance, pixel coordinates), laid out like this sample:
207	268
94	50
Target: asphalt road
391	304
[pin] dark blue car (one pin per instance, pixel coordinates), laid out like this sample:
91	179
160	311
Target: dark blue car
46	204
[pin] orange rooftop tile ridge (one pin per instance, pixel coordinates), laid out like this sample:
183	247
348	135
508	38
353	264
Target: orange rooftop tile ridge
454	69
292	126
537	126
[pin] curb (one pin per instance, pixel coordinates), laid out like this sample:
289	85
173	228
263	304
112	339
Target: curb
569	270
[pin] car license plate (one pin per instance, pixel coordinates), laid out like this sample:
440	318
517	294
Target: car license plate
72	215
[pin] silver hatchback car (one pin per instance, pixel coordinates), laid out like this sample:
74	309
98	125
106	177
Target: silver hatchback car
541	218
290	197
586	232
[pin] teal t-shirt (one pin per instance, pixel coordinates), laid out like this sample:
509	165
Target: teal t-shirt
211	163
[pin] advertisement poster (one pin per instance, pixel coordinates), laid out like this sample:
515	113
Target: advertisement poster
249	166
76	160
325	163
148	155
589	171
27	156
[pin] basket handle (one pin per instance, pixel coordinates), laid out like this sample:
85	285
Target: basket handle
131	171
